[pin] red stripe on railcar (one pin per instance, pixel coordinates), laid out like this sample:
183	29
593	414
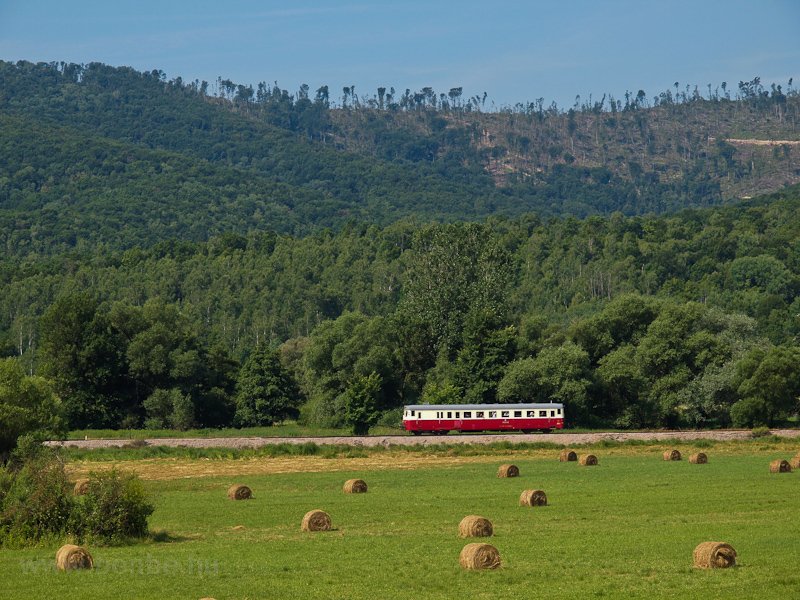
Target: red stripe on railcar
516	424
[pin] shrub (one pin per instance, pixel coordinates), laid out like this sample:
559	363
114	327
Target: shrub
36	502
391	418
115	508
749	412
35	499
759	432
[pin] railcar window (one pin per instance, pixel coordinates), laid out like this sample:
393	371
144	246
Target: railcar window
531	413
449	415
505	414
492	414
412	413
517	413
467	414
552	413
542	413
458	414
479	414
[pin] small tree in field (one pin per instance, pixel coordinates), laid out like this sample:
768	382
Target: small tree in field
360	401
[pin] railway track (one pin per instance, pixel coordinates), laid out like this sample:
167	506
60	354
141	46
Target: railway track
564	438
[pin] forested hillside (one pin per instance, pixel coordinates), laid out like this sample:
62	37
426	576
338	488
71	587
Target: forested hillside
176	256
96	154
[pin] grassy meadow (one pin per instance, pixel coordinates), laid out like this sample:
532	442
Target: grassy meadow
625	528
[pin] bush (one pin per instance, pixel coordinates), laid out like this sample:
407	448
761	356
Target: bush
115	508
749	412
391	418
35	499
759	432
36	503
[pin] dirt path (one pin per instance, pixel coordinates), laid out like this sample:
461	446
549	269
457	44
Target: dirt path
408	440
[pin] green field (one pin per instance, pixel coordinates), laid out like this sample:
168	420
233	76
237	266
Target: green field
625	528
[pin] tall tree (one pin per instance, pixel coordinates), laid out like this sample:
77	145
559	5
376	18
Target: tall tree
265	391
27	405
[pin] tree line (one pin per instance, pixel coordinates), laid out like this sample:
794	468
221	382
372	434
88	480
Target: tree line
682	321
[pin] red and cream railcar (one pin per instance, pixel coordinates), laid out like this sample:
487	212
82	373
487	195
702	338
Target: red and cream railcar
442	418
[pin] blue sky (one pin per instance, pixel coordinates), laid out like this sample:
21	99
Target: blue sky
516	51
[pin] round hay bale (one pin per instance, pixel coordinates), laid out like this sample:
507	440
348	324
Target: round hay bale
698	458
239	492
567	455
71	556
355	486
588	460
479	556
714	555
508	471
780	466
533	498
475	526
795	462
81	487
672	455
316	520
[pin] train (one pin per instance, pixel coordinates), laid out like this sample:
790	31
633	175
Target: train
440	419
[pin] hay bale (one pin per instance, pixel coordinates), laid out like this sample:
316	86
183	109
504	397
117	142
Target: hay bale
714	555
508	471
71	556
533	498
355	486
316	520
567	455
239	492
475	526
779	466
795	462
81	487
588	460
698	458
672	455
479	556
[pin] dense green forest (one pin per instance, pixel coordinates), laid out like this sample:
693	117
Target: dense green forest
179	256
681	320
96	154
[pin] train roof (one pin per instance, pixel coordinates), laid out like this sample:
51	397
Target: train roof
480	406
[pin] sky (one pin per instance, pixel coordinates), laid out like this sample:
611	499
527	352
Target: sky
515	51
